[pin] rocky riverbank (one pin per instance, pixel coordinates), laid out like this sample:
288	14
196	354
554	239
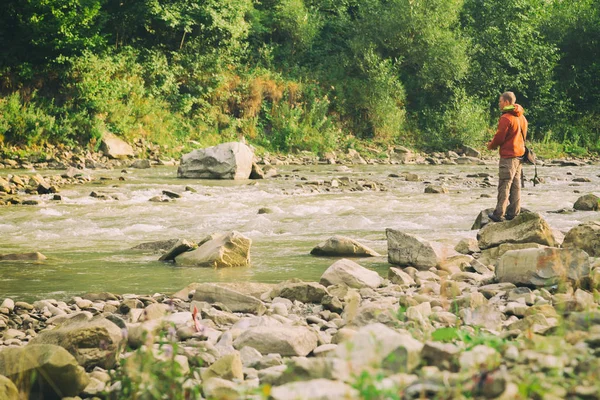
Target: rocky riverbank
512	315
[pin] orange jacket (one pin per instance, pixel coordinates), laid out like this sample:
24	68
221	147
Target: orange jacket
507	135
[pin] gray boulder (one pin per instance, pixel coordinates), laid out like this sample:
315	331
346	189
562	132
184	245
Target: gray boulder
178	248
436	189
586	237
141	164
156	246
316	389
543	267
343	246
305	292
409	250
470	151
114	147
8	390
284	340
377	345
399	277
235	301
467	246
351	274
524	228
401	155
93	343
49	371
230	249
589	202
226	161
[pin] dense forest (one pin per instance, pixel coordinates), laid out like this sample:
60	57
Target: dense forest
292	75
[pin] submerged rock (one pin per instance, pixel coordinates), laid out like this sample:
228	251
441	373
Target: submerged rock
589	202
23	257
343	246
178	248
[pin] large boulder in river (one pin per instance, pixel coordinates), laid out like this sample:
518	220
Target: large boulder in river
408	250
93	343
226	161
50	372
586	237
524	228
181	246
221	250
114	147
344	247
543	267
589	202
235	301
351	274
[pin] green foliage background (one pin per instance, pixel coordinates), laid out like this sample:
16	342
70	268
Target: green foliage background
292	75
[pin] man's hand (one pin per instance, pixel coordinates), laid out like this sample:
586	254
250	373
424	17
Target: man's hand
489	145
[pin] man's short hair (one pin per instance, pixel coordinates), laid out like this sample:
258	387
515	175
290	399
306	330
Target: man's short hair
509	96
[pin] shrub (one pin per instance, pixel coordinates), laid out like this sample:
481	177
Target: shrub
24	123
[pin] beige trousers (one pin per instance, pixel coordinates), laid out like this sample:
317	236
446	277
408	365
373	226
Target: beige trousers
509	188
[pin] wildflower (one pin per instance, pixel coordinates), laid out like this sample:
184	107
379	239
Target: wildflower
172	333
167	350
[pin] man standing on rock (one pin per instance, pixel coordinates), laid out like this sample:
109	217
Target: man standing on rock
510	137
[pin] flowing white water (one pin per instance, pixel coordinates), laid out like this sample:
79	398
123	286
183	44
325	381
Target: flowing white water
87	240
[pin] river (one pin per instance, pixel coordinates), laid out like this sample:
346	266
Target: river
88	241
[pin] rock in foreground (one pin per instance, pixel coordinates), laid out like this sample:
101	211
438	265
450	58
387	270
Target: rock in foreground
54	370
409	250
543	267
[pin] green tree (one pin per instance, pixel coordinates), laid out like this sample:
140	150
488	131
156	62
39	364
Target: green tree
574	27
36	33
510	52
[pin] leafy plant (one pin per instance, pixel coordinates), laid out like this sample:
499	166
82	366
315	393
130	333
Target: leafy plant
154	373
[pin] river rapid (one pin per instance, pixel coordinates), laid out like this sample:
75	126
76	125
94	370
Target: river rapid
88	241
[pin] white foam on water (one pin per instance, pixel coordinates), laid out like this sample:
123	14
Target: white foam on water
46	235
7	228
142	228
51	212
